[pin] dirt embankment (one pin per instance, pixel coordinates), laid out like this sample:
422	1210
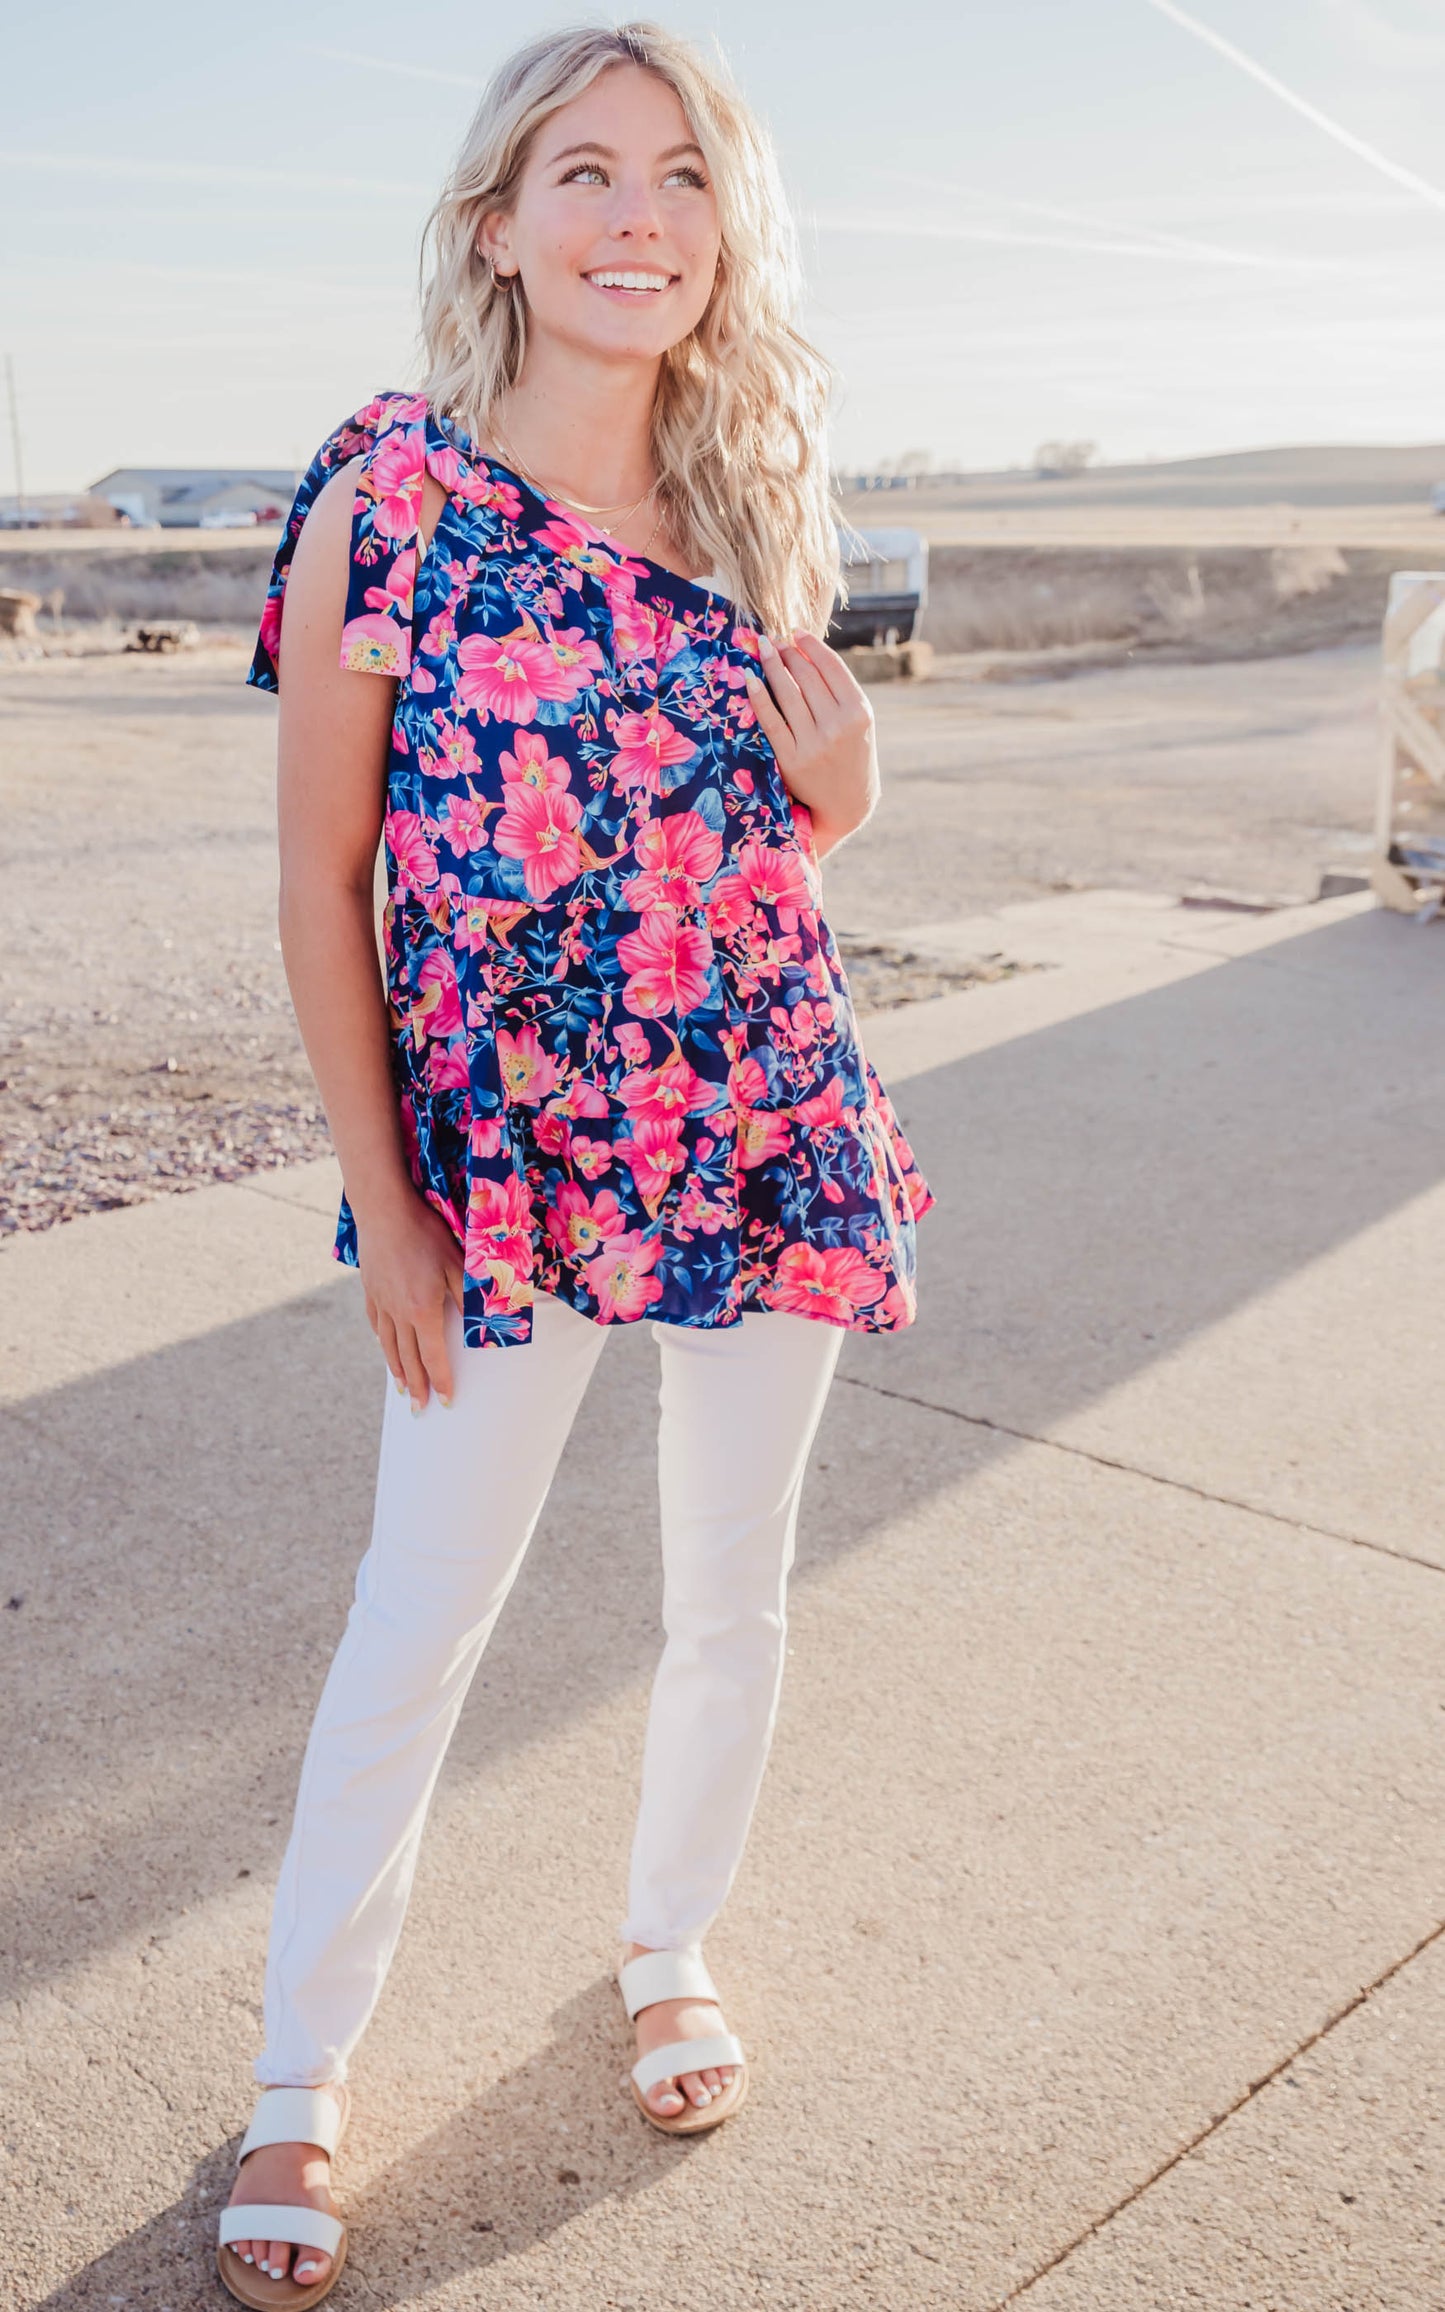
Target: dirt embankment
1210	602
1174	602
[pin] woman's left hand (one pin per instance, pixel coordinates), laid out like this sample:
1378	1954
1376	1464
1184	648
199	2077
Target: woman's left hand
819	722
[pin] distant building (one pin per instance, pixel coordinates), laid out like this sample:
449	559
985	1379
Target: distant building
178	497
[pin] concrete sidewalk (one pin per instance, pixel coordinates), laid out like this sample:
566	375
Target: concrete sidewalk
1086	1947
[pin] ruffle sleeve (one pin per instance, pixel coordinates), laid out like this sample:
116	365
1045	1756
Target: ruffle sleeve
385	443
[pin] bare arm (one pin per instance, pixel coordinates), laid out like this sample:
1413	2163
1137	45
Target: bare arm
334	741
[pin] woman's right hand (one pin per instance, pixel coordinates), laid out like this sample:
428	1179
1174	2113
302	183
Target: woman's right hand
410	1261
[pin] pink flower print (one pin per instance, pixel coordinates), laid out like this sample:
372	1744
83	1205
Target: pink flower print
583	1224
416	860
921	1198
398	593
647	745
832	1282
437	1011
762	1133
445	466
581	1098
775	877
528	1072
670	963
485	1137
539	828
632	1043
574	543
461	824
506	914
620	1277
374	644
455	753
441	633
824	1111
447	1066
271	624
590	1157
499	1232
747	1083
532	765
578	657
730	905
469	925
507	675
393	477
654	1154
665	1094
552	1132
695	1209
672	638
484	490
632	624
797	1028
675	855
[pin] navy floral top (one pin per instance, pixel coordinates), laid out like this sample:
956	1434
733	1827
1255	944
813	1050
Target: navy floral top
627	1060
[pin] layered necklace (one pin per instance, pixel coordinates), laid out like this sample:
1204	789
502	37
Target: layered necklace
624	513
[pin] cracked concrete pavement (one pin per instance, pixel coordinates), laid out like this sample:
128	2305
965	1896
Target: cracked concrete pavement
1088	1948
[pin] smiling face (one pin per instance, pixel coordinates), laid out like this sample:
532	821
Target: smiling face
614	234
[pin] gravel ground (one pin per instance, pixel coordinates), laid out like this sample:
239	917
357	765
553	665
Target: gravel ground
147	1042
146	1036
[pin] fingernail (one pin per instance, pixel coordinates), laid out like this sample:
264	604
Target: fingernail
399	1386
415	1408
766	644
444	1400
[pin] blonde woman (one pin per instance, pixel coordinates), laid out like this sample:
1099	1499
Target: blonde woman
552	634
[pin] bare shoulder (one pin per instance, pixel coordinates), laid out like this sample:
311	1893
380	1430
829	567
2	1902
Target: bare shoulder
323	549
319	564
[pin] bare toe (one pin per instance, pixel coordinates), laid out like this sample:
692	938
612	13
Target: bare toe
312	2266
665	2099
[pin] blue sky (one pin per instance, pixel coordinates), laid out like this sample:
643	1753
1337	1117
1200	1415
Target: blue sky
1020	222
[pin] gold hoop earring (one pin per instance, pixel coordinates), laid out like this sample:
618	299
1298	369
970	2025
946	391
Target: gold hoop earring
500	280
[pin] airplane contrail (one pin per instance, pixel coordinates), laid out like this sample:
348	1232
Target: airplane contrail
1434	194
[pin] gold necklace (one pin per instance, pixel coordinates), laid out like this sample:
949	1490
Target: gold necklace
578	504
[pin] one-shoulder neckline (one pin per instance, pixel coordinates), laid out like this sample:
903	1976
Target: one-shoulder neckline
461	440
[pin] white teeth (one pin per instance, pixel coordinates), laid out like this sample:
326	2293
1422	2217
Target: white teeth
628	280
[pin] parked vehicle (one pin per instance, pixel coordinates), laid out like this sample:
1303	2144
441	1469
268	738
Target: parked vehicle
228	518
887	575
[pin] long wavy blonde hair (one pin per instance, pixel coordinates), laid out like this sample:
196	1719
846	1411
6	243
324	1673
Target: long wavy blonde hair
739	420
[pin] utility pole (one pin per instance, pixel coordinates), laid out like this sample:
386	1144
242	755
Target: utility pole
15	440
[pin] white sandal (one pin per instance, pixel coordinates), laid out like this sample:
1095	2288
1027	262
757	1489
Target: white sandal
658	1975
286	2115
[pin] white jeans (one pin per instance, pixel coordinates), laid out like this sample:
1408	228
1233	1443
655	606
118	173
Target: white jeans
459	1492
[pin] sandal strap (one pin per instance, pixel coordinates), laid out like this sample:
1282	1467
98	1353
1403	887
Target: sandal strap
664	1975
293	2115
302	2227
681	2055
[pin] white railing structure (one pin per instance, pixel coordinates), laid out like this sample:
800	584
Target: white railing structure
1408	868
